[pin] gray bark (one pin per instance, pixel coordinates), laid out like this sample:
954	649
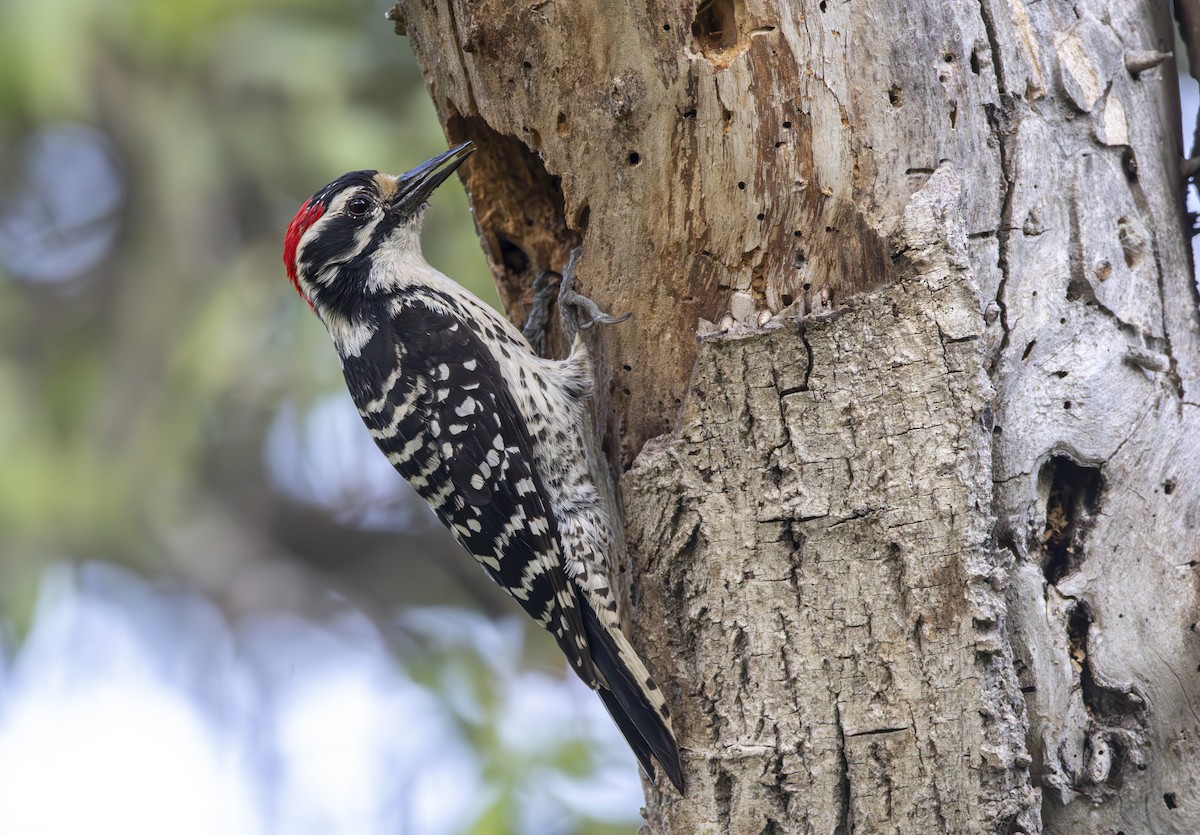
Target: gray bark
927	562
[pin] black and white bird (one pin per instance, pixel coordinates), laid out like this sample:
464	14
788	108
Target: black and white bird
488	433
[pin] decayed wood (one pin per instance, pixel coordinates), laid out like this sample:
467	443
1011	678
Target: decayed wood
929	565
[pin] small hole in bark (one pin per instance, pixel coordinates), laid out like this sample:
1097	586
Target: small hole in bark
690	113
666	27
798	260
561	124
953	114
742	186
975	61
948	57
796	234
1028	349
821	6
1129	161
1067	404
715	26
527	65
634	158
760	216
1061	374
512	256
786	298
582	218
1169	799
895	96
1169	486
1063	320
787	125
627	367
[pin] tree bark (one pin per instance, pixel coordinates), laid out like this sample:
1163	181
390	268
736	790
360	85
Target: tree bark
912	528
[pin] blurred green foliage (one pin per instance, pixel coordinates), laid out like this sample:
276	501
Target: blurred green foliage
123	389
136	393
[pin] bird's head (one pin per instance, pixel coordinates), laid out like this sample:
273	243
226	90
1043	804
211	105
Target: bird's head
353	238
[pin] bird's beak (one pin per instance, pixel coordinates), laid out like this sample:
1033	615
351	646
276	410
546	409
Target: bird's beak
414	187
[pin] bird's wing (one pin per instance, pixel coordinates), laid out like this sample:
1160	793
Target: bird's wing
434	398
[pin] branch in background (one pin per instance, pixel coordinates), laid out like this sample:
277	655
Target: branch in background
1187	12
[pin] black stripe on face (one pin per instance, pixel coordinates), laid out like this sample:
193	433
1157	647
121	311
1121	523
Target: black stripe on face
335	231
338	240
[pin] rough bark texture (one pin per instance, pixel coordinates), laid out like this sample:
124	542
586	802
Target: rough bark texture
929	562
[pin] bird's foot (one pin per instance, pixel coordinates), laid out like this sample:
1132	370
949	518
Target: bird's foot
578	311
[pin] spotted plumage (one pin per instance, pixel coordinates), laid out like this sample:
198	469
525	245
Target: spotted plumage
488	433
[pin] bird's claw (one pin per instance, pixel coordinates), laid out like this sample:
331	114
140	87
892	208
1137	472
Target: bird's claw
571	304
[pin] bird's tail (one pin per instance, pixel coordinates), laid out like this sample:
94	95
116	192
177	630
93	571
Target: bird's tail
633	699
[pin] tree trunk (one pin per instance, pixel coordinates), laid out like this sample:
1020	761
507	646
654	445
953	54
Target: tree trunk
925	561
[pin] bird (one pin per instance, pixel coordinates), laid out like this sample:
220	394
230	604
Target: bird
490	434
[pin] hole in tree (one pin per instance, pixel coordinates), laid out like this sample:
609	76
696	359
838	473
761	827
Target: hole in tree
634	158
975	67
1129	163
895	95
1169	486
1072	501
715	26
512	256
1169	799
742	186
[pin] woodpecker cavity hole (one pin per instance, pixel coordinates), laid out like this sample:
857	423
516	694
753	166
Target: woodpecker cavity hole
526	228
1073	494
715	27
516	262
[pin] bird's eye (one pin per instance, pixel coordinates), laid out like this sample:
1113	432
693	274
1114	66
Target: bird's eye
358	206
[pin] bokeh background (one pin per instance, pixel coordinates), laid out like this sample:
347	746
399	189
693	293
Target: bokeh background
221	611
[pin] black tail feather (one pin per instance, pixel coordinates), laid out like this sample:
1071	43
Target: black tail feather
640	723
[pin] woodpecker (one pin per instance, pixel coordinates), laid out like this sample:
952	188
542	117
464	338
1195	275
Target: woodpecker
489	433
